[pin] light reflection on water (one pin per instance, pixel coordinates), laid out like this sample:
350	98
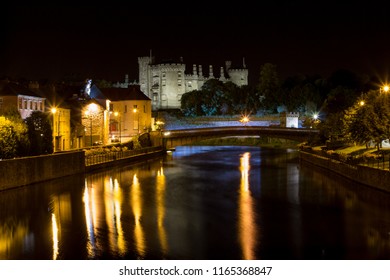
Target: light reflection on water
198	203
247	225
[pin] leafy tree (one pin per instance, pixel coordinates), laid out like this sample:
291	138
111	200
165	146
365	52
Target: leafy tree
40	133
213	96
8	139
358	124
370	120
20	131
191	103
269	86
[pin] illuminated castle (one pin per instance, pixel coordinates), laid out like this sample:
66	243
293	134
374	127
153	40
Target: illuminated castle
165	83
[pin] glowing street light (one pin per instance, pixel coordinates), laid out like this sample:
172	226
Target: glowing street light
385	88
92	109
57	142
244	120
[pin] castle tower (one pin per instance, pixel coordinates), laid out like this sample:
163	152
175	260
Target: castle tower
144	74
211	75
228	64
194	70
222	75
200	71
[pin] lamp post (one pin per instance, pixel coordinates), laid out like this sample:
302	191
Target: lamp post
135	110
120	128
92	109
244	119
54	111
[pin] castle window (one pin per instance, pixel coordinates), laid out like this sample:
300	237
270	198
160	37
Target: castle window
179	74
163	74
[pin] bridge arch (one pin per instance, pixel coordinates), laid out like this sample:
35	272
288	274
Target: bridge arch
172	138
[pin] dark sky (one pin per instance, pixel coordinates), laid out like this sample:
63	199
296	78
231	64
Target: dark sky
104	41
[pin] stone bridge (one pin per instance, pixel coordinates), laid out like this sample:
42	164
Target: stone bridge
172	138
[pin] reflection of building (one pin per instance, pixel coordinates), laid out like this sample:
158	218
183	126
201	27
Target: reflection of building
14	95
164	83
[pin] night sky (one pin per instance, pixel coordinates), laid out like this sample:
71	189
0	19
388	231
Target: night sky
103	41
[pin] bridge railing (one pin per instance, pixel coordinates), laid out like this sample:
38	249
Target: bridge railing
117	155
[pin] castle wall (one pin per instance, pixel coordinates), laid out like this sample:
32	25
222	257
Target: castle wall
164	84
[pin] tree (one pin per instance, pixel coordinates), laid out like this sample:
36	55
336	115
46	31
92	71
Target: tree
191	103
8	139
39	133
269	86
213	97
19	128
369	119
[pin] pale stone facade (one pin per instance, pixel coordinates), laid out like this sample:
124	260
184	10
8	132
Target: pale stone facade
165	83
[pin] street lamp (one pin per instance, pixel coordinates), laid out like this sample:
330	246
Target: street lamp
244	119
54	111
135	110
116	114
384	88
92	109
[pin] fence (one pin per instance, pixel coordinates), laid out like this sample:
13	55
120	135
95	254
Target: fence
117	155
379	161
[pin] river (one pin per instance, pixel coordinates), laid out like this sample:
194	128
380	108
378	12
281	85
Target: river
198	203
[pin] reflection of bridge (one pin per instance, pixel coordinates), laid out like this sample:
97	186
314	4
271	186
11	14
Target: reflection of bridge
181	137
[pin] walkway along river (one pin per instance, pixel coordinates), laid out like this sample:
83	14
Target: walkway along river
198	202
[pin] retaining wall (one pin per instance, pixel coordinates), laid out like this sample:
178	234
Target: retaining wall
29	170
373	177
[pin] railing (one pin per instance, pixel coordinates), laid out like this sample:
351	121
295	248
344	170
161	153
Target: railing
117	155
380	161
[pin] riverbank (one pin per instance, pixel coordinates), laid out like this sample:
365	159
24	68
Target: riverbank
372	177
29	170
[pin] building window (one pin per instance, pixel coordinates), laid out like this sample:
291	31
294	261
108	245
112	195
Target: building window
125	111
20	106
135	106
25	104
163	74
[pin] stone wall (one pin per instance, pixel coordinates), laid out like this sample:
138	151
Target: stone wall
373	177
24	171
